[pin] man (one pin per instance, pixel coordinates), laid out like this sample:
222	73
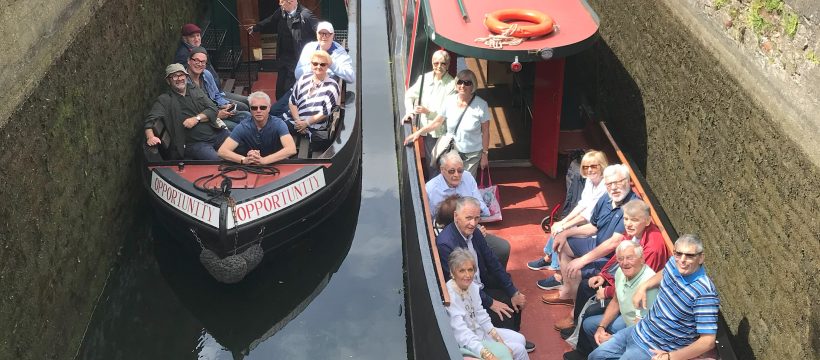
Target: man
232	112
341	67
453	180
295	26
499	296
620	313
585	249
638	227
264	139
189	117
682	323
191	38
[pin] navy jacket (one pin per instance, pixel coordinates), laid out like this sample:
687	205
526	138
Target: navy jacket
488	264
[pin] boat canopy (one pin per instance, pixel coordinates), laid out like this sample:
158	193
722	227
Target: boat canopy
576	28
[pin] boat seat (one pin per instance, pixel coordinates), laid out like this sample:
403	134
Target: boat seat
302	147
159	152
228	86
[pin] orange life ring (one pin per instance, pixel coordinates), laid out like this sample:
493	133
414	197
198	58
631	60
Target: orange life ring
543	24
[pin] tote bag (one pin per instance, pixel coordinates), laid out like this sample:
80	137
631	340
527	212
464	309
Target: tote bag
489	195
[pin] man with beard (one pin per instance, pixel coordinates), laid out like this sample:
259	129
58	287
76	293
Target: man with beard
189	116
264	139
585	249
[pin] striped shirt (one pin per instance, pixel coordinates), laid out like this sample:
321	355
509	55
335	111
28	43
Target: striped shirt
686	307
311	99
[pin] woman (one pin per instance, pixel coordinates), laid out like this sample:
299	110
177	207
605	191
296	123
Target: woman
437	86
314	96
471	324
468	119
592	169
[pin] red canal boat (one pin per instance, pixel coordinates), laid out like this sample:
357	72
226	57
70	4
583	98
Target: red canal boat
536	119
231	214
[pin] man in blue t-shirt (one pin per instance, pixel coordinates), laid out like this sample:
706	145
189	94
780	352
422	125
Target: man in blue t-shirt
263	139
682	323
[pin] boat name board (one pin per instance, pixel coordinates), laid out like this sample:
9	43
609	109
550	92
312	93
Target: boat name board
188	204
278	200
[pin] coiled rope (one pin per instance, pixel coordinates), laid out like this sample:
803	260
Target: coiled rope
498	41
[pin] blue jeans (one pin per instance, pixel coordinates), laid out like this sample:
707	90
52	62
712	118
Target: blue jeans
206	150
553	255
590	325
620	346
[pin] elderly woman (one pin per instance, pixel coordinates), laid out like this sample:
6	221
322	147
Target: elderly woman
592	169
470	322
314	96
427	100
468	119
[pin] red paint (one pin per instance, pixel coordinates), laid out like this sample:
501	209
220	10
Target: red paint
548	94
193	172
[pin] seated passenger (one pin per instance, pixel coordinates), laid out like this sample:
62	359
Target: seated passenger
453	180
341	66
620	313
189	117
592	168
263	140
471	324
314	96
191	38
682	323
638	227
585	249
438	85
498	295
205	81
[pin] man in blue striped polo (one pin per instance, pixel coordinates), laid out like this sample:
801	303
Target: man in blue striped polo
682	323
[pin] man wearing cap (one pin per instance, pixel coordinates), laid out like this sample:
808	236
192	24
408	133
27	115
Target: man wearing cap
189	117
295	26
191	38
204	80
341	67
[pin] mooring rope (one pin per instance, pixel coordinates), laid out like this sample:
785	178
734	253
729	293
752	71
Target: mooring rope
202	183
498	41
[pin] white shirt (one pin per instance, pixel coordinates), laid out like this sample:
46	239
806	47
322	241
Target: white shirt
468	135
590	196
433	96
470	322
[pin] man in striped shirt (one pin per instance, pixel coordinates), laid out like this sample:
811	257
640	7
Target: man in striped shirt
683	321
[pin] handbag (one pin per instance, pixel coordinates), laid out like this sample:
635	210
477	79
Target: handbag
490	197
446	142
498	349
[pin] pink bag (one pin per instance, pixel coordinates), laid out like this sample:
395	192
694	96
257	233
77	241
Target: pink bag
489	195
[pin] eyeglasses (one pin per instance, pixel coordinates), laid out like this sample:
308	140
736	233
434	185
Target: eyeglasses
453	171
325	34
464	82
615	183
593	166
261	107
439	63
683	255
176	76
319	64
199	62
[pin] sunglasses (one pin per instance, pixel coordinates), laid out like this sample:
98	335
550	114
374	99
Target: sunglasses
319	64
453	171
261	107
593	166
464	82
684	255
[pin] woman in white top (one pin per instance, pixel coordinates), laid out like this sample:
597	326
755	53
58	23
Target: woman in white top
468	119
592	169
471	324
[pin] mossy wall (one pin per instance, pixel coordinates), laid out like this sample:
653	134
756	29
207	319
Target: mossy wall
722	168
71	195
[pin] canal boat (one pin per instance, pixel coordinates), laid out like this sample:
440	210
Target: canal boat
229	215
535	123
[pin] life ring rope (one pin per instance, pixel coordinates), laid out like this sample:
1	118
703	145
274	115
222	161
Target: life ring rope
505	38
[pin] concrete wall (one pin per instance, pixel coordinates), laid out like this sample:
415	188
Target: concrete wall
715	153
69	176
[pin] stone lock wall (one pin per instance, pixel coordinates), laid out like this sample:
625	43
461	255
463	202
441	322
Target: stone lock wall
716	156
70	194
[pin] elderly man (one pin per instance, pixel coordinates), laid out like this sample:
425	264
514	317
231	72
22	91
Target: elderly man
342	66
263	140
585	249
453	180
620	313
499	296
232	112
295	26
682	323
191	38
189	116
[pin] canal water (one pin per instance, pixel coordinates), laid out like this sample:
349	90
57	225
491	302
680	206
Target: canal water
336	294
